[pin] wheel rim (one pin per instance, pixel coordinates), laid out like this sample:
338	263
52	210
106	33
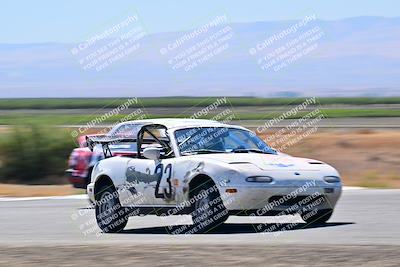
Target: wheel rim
203	201
107	203
201	205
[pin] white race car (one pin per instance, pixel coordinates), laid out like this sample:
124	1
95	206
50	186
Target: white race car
209	170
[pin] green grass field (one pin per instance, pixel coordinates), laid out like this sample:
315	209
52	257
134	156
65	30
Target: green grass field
67	119
18	116
82	103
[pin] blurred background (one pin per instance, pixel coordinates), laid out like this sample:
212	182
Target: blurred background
314	79
60	75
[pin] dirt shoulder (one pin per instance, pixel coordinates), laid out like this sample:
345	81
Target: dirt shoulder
14	190
367	158
193	255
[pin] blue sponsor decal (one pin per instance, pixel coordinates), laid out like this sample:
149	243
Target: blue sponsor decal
281	165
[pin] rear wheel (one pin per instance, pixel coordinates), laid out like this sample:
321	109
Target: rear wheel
317	217
208	208
110	215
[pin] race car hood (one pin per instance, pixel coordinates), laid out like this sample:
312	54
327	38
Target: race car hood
266	161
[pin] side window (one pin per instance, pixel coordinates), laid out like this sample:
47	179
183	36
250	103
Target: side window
149	140
128	131
156	137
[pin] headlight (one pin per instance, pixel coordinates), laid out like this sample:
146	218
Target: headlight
332	179
259	179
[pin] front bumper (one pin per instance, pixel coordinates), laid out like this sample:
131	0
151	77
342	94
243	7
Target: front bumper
267	200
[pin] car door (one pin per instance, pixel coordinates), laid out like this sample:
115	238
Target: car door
150	182
151	179
160	170
140	181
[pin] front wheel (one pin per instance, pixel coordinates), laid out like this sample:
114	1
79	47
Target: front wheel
208	209
317	216
110	215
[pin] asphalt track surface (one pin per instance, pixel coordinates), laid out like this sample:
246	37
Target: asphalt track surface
364	230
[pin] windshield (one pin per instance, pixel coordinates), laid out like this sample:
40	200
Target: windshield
219	140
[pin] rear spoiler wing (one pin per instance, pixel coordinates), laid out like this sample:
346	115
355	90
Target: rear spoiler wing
105	141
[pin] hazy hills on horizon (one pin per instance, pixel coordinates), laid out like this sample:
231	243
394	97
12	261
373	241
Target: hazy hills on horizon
354	56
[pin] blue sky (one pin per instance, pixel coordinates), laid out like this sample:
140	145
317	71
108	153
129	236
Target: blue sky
73	20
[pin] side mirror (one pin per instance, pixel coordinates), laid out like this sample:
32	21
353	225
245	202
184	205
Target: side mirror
152	153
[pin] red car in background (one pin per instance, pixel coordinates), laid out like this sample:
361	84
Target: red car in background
82	159
80	164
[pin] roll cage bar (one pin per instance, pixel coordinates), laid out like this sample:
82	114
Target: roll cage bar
106	141
147	129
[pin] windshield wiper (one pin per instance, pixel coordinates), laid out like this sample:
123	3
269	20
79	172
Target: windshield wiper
202	151
244	150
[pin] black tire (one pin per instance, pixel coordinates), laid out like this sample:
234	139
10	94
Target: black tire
208	210
110	215
320	217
